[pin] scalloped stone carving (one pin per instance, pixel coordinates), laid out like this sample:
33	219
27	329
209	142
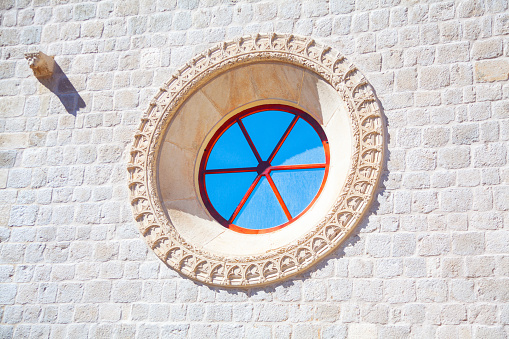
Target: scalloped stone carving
360	184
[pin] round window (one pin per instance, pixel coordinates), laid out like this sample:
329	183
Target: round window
264	168
255	160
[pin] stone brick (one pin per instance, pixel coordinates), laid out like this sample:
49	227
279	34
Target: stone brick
403	244
23	215
379	19
431	290
493	154
468	243
369	290
461	74
486	221
409	36
480	266
504	314
392	59
360	23
490	131
433	244
430	34
13	140
314	291
386	38
19	178
496	241
336	331
340	289
399	290
126	99
483	314
389	268
501	197
450	31
271	312
375	314
300	313
409	137
423	56
454	314
175	331
487	49
359	331
378	245
417	180
441	11
218	313
366	43
491	70
471	8
452	267
434	77
465	134
488	332
406	79
360	268
493	290
436	136
414	313
7	293
399	16
327	312
421	159
370	62
453	157
342	7
126	291
462	290
454	52
501	25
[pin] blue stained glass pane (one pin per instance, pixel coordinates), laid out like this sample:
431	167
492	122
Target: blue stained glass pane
266	129
231	151
298	187
226	190
261	210
302	146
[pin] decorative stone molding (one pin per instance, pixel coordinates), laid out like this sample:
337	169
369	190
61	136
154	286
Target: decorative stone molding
42	64
348	207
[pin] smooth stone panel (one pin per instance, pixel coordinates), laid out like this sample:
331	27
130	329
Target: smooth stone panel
231	89
190	206
318	97
193	122
175	172
192	223
277	81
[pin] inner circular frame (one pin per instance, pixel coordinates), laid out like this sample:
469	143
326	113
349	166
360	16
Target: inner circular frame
267	168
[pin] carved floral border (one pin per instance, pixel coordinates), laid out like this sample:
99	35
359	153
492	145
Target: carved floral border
360	187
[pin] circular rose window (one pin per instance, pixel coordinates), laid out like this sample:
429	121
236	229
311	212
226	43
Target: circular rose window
264	168
256	160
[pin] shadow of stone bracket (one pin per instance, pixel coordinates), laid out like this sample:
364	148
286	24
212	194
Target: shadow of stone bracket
60	85
49	73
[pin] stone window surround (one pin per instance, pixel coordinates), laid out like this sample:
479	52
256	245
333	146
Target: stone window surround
185	237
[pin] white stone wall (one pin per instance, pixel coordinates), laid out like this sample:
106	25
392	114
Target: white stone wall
431	259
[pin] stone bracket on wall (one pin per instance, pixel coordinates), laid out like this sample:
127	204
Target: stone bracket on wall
43	65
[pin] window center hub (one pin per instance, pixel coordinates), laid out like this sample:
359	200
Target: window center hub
262	167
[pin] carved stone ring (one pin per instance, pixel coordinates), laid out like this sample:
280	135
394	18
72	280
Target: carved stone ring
194	106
